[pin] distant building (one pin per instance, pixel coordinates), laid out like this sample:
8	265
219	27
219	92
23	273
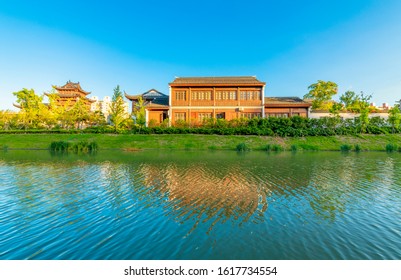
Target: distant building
70	93
318	114
104	106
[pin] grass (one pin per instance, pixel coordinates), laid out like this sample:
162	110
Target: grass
200	142
81	146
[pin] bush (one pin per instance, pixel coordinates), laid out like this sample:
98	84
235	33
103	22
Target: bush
82	146
308	147
345	148
358	148
59	146
242	147
294	148
277	148
391	147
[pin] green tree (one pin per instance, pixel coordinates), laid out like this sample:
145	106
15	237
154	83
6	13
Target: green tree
139	112
363	107
32	110
335	111
79	114
394	117
321	92
349	99
117	109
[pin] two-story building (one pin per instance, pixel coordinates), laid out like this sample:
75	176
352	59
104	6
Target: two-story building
193	99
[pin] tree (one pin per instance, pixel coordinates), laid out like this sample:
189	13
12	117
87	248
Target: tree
32	108
349	98
139	112
117	109
363	107
394	117
321	92
335	110
79	113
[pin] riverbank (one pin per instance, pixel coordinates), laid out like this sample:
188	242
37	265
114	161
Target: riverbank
200	142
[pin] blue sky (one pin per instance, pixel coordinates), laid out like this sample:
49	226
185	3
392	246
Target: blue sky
144	44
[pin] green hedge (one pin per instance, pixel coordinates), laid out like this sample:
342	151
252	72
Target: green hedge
283	127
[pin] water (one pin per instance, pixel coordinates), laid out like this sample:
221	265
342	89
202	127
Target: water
200	205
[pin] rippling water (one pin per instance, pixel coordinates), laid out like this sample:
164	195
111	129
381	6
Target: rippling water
200	205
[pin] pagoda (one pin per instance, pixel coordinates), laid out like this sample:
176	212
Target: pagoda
70	93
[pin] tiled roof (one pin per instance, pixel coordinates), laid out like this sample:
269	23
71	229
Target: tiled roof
153	98
148	95
285	101
159	103
248	80
75	86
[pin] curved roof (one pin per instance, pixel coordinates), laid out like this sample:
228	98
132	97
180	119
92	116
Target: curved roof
72	86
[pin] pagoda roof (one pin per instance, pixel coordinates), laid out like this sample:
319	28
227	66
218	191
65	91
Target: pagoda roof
286	102
72	86
215	81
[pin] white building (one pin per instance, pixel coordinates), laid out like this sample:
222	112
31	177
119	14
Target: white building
324	114
105	105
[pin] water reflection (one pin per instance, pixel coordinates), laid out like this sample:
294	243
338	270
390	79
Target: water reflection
100	199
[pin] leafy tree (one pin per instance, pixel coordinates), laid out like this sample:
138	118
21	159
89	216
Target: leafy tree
139	112
117	109
7	119
363	107
335	112
321	92
394	117
32	108
79	113
349	99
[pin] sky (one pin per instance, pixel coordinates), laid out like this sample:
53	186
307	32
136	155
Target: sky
141	45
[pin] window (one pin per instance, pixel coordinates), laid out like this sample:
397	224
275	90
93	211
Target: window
250	95
250	115
204	116
284	115
220	115
201	95
180	95
226	95
179	116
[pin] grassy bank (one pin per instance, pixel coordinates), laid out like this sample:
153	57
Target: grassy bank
200	142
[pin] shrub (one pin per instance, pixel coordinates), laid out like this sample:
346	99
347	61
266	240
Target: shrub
294	148
345	148
358	148
308	147
277	148
242	147
59	146
391	147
